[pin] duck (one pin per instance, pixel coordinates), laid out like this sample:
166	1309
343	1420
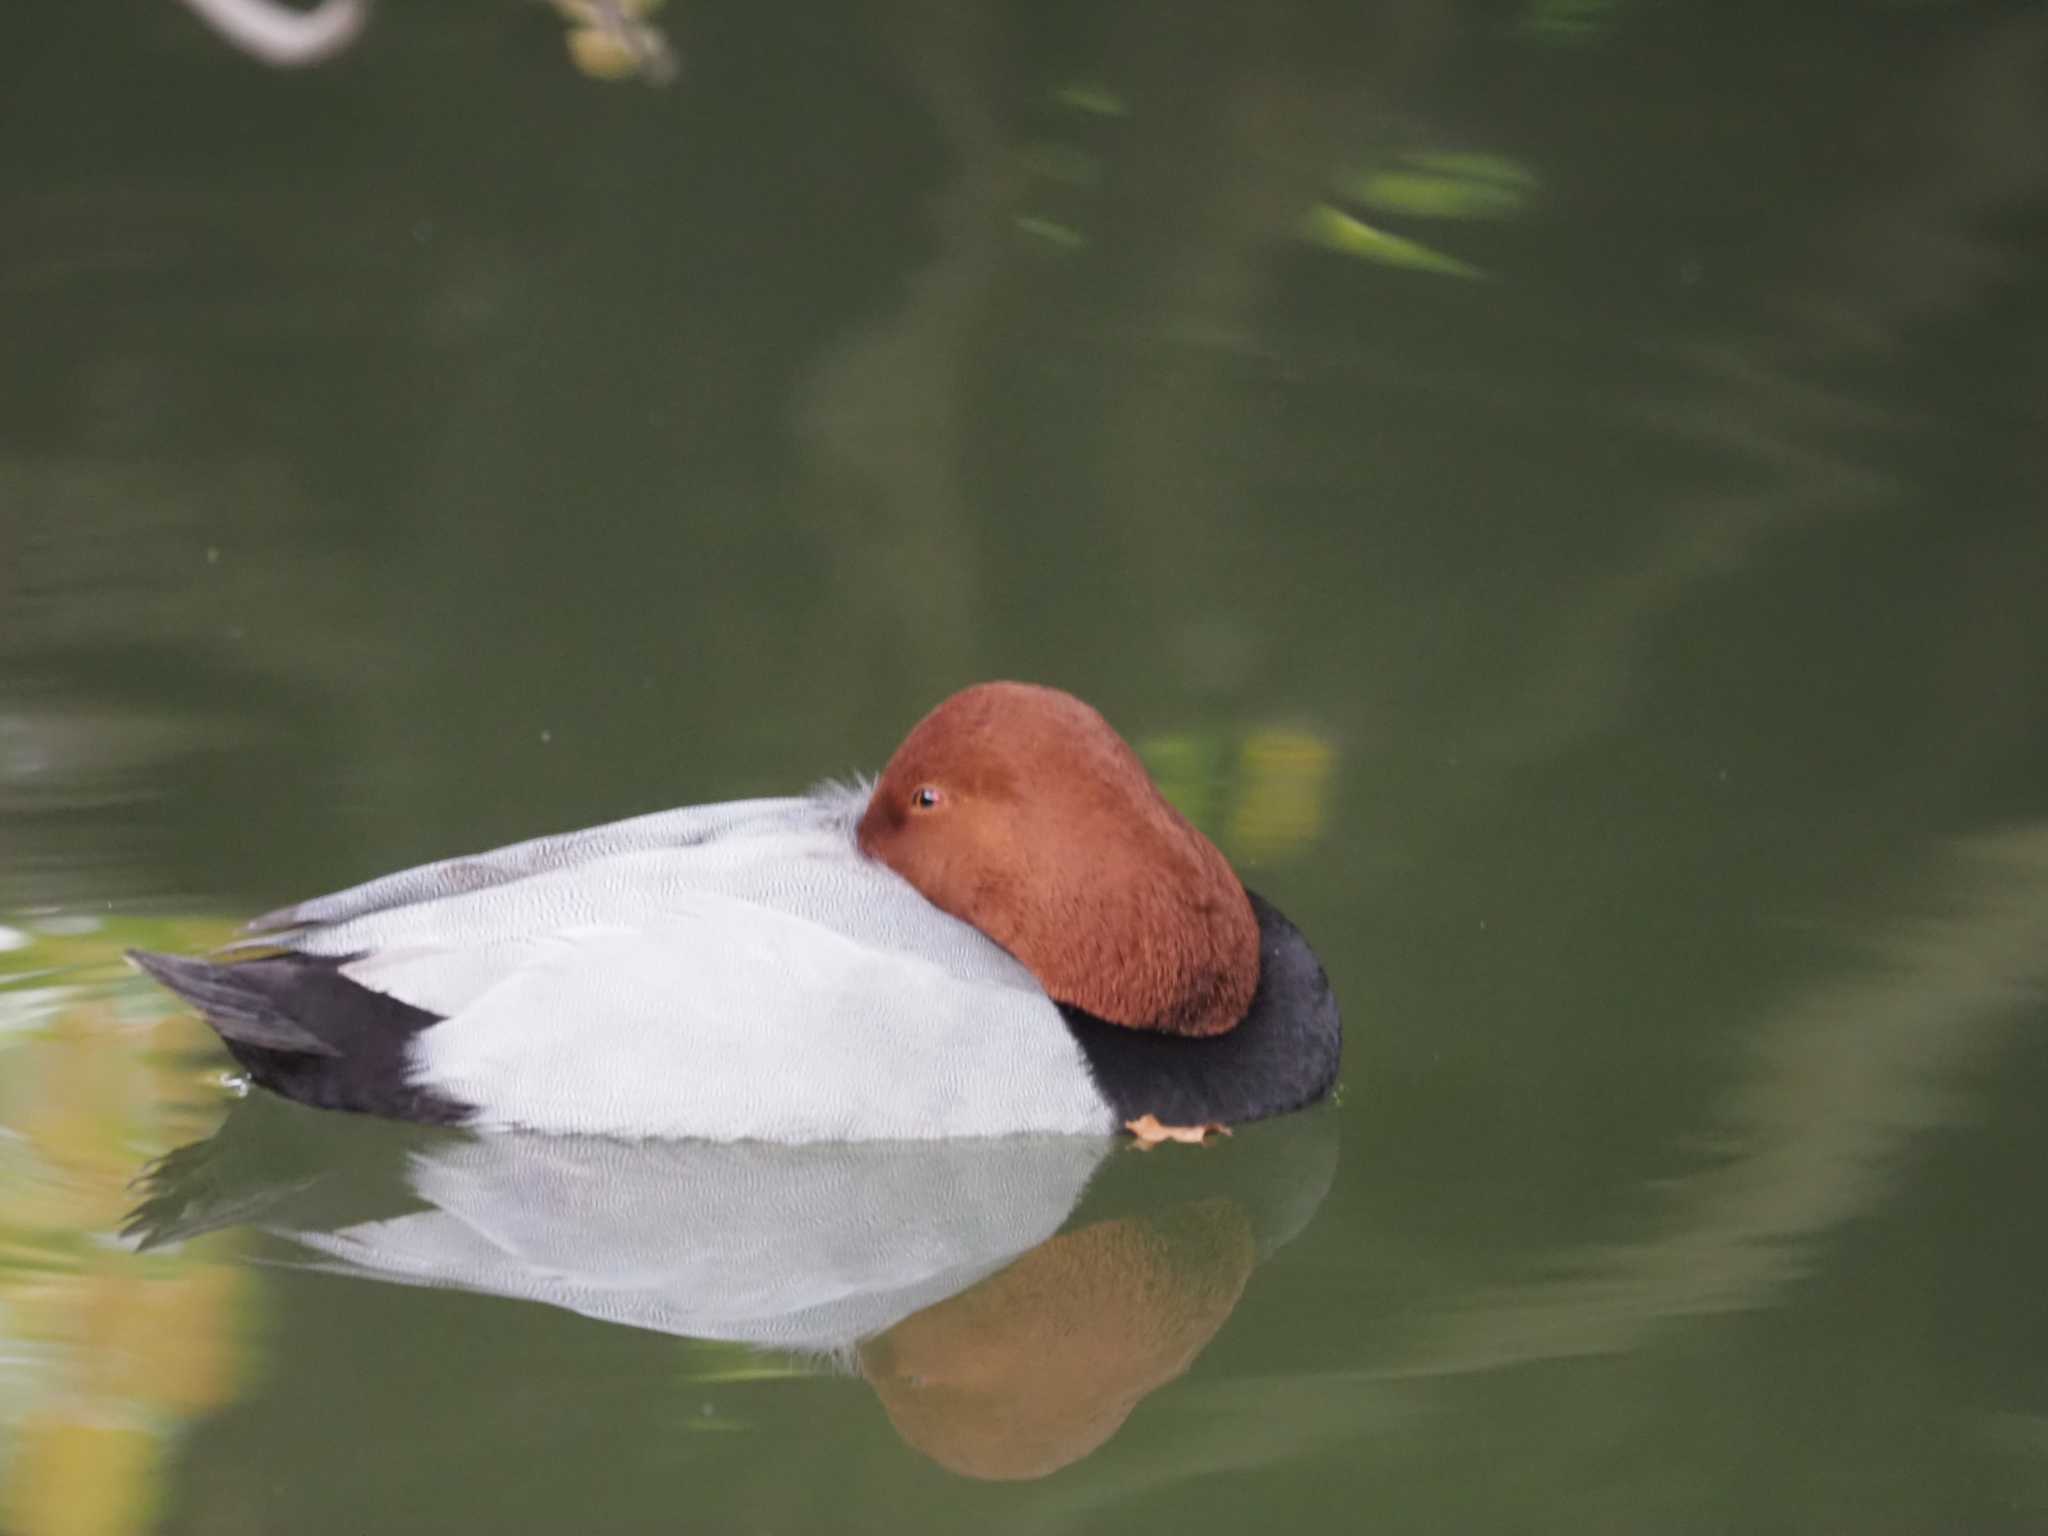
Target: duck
1010	931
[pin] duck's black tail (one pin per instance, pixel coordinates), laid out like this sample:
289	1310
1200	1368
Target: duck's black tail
301	1028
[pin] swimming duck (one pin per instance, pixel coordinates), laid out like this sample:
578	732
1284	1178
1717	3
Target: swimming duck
1009	931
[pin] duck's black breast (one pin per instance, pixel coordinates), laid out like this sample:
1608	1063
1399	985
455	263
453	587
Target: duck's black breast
1283	1055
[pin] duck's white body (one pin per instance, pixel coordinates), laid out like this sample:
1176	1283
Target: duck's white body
723	971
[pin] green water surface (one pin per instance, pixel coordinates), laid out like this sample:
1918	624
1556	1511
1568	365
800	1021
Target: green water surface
1554	488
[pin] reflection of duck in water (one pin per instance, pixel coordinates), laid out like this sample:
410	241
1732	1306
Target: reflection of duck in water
1012	932
1010	1301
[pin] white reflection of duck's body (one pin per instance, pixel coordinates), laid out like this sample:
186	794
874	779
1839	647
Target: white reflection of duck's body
1009	1300
793	1248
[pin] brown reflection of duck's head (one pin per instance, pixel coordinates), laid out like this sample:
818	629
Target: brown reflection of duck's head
1039	1364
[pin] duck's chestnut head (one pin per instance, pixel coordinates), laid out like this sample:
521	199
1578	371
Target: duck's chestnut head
1020	810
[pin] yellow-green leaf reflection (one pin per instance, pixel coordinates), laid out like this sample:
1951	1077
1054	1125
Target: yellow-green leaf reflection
1062	235
1190	770
1332	229
107	1352
1443	186
1569	19
1283	786
1091	97
1263	794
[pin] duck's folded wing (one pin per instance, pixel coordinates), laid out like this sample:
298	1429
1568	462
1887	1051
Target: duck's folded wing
796	858
687	827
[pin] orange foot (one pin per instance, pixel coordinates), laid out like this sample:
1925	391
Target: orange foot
1151	1133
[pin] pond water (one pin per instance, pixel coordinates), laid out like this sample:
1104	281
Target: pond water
1554	487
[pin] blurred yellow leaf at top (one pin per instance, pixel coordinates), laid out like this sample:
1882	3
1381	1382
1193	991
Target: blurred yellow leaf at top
615	41
602	55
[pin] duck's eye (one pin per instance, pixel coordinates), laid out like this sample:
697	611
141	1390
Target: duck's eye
925	797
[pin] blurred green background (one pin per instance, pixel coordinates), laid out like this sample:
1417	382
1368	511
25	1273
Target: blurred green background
1554	487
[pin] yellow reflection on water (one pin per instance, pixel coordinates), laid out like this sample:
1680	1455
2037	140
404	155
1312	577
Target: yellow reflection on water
618	41
104	1354
1262	796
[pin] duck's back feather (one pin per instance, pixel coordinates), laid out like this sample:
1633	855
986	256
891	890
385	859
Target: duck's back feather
686	827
